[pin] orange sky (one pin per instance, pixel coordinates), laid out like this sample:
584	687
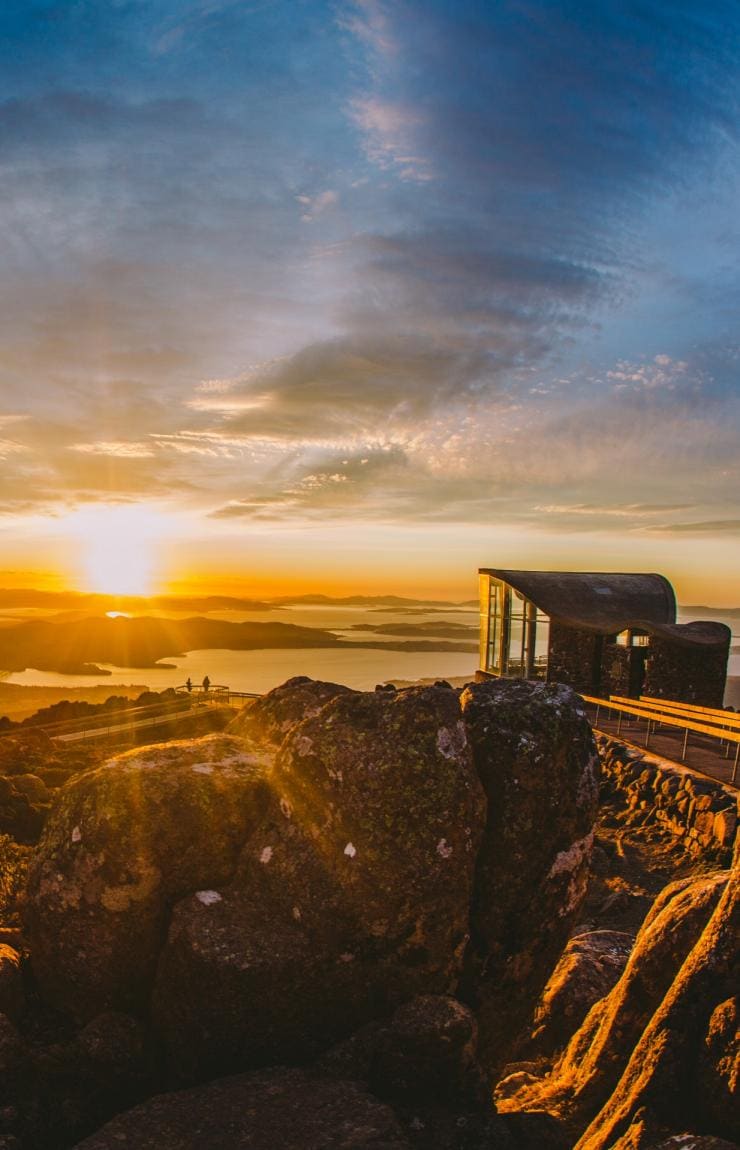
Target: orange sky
149	549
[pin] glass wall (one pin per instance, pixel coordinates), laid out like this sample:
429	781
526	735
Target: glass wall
514	634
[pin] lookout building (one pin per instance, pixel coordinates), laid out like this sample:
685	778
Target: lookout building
602	633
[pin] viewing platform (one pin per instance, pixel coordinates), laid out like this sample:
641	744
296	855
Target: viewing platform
707	739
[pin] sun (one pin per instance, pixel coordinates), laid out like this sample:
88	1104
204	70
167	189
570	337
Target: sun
118	548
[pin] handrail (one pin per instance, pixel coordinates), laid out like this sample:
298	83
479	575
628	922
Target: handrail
722	719
670	720
127	712
721	714
165	710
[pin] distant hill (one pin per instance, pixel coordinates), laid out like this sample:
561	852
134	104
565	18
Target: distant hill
389	601
12	597
711	612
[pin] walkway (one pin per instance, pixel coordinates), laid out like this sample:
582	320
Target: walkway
103	724
702	753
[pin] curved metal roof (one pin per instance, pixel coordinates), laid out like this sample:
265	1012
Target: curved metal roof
609	602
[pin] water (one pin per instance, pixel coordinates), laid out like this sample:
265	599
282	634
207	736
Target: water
261	670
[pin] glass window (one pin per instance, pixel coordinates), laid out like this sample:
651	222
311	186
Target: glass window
514	635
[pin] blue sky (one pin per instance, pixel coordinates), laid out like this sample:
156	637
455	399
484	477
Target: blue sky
465	273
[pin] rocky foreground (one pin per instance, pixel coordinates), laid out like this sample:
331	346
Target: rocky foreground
346	921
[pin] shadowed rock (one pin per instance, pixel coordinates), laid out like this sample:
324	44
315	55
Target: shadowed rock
351	896
272	1110
534	752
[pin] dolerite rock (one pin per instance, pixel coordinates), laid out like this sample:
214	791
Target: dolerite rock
659	1053
684	1071
427	1052
112	1044
12	996
34	788
11	1046
271	1110
694	1142
21	816
257	903
590	966
123	843
535	755
274	714
352	895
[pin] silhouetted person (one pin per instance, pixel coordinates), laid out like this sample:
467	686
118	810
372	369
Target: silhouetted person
189	684
206	683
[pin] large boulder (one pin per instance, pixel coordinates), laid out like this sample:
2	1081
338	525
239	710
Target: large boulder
259	901
589	967
534	752
125	842
351	896
283	1109
274	714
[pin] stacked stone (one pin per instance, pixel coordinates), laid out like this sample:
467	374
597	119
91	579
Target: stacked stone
702	812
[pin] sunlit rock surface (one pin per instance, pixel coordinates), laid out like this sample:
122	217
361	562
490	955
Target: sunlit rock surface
274	714
589	967
125	842
660	1053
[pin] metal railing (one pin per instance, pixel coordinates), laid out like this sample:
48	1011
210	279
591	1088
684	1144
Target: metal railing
661	714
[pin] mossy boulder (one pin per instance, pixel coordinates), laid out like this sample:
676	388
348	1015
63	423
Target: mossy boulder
351	896
258	901
124	842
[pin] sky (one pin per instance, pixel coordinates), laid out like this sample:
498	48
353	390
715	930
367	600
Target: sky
361	296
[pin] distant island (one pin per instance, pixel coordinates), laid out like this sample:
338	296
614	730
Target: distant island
78	646
12	598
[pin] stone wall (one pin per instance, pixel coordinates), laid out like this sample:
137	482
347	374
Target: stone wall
574	658
700	811
616	670
695	674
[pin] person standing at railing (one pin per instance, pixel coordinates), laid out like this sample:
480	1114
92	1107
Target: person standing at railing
189	684
206	684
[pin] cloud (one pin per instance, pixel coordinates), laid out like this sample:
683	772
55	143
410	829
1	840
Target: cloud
314	206
388	266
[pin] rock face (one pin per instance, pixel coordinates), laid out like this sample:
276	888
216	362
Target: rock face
257	897
660	1053
11	983
534	752
125	842
351	896
283	1109
590	966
